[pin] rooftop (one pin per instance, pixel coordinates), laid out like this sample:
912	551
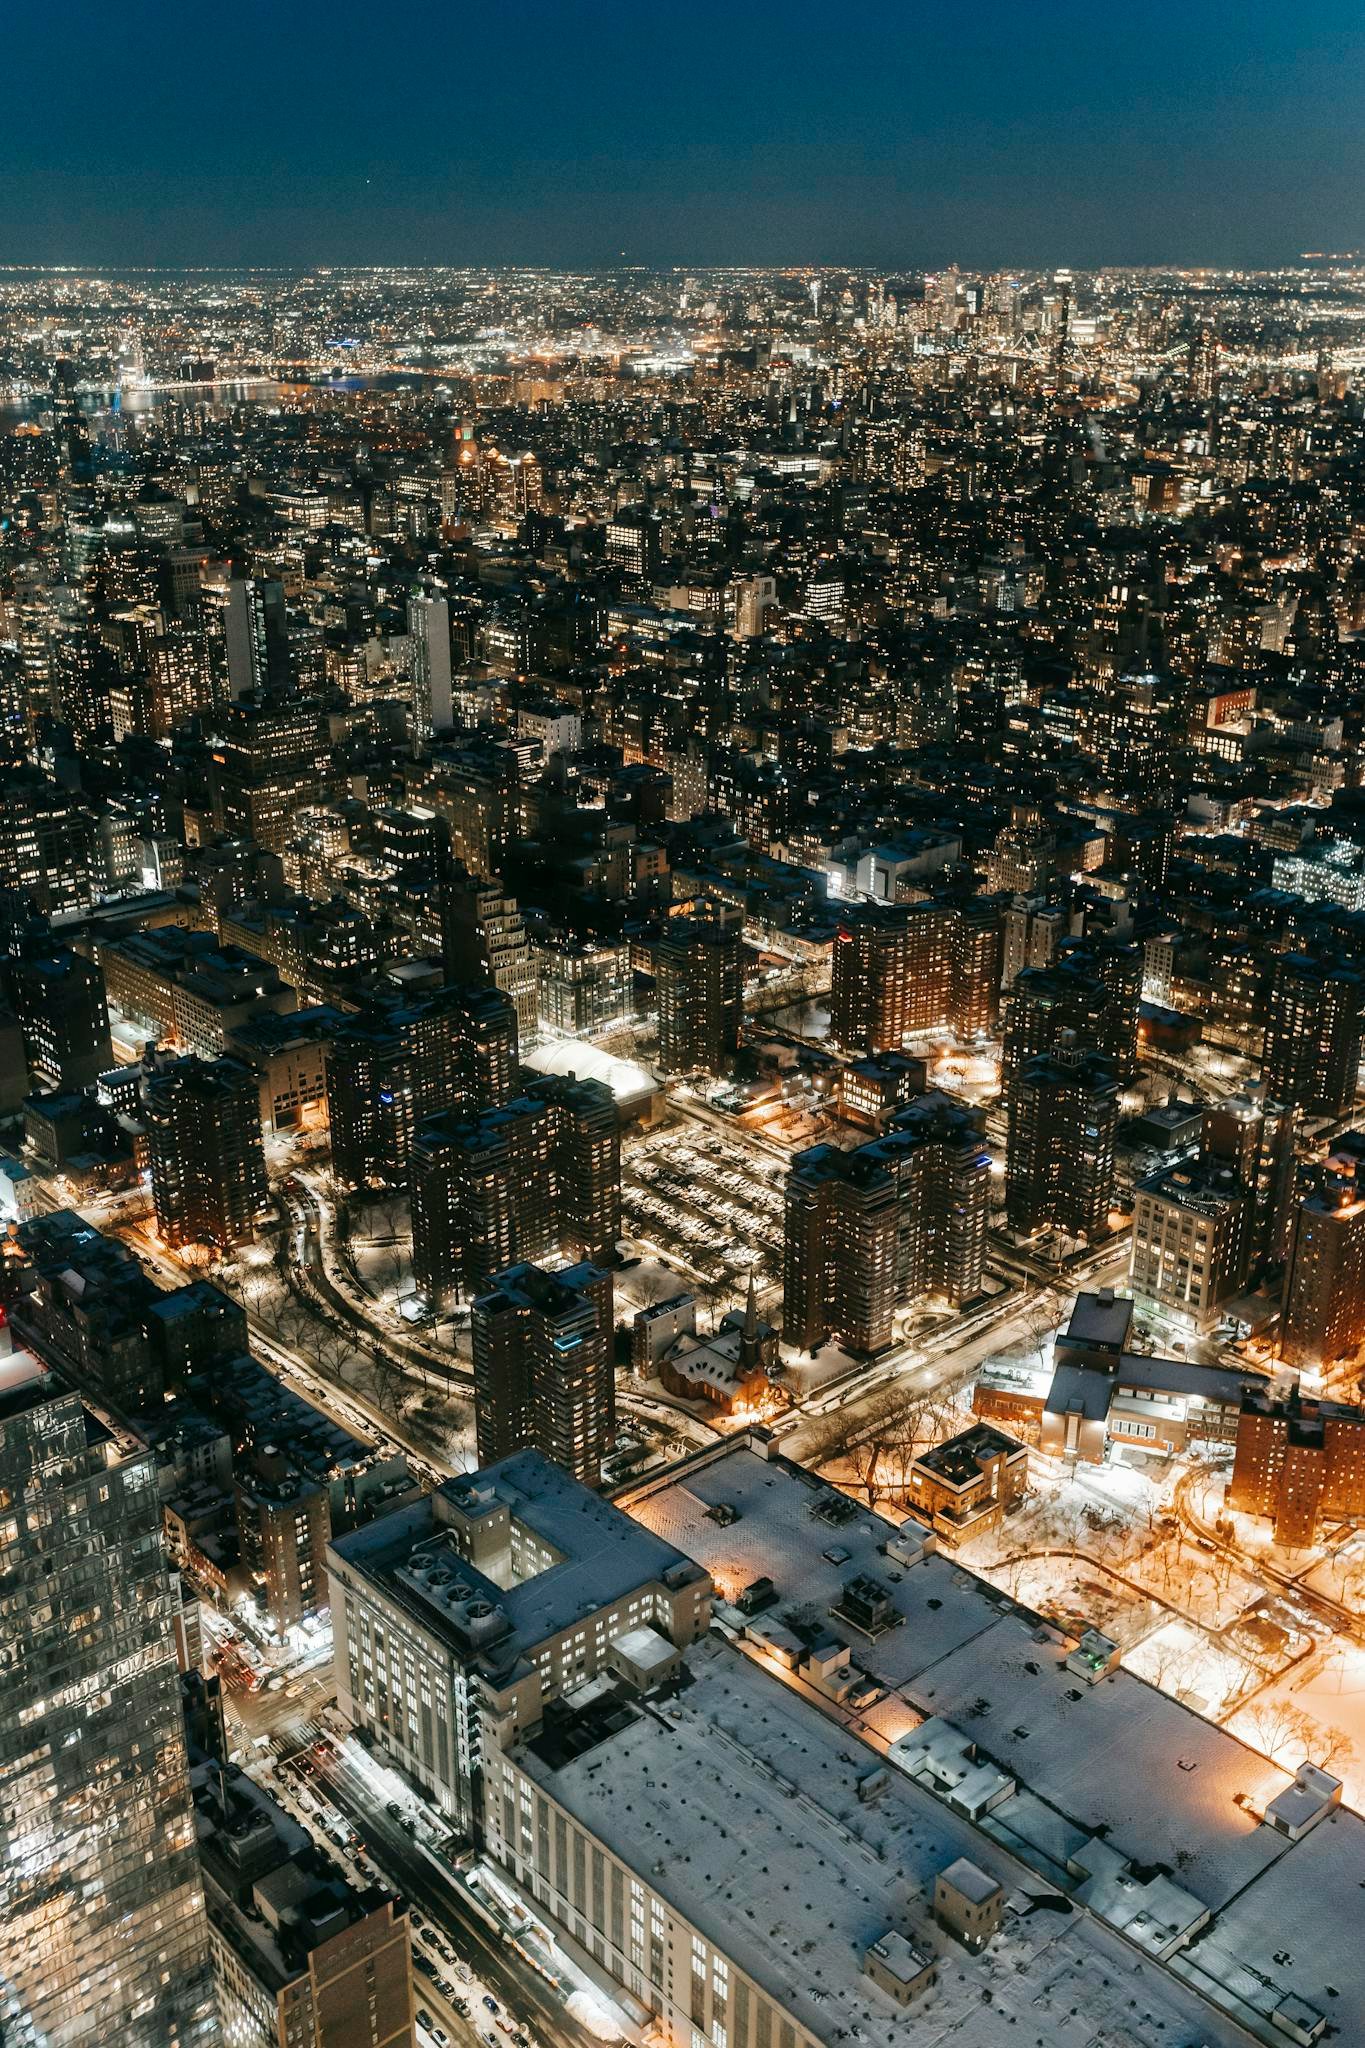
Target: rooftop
756	1818
600	1555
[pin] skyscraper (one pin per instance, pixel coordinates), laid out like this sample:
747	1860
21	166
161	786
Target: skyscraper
256	629
543	1376
103	1936
429	629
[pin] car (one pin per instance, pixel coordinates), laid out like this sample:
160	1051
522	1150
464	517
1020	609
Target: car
490	2004
464	1973
425	1965
424	2016
489	2038
461	2006
393	1809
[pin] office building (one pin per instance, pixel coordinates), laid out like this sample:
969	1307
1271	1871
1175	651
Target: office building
270	760
47	847
429	630
583	985
1323	1316
1300	1462
899	1220
481	1603
1316	1017
543	1369
302	1957
700	991
1059	1173
182	988
103	1935
59	999
207	1158
1191	1242
256	629
539	1176
407	1058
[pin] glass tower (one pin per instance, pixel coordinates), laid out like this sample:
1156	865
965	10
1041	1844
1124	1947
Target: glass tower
103	1936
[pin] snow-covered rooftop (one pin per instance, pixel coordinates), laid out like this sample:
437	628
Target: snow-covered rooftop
745	1808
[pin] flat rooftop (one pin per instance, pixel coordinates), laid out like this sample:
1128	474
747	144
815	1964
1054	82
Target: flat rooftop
602	1555
741	1802
1116	1762
1119	1752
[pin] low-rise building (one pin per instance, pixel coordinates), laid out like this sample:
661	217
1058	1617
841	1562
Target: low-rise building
965	1486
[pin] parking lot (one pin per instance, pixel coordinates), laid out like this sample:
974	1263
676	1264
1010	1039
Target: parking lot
710	1206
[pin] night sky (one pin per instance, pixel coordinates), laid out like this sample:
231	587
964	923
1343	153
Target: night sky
867	132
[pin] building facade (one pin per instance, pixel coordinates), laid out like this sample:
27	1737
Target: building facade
897	1220
208	1162
103	1935
541	1175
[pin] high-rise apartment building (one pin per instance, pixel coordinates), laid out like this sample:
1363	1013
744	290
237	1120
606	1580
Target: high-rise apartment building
1313	1034
208	1161
60	1001
1300	1462
901	968
483	938
1256	1137
898	1220
1031	934
698	975
1092	992
543	1371
1063	1114
539	1176
452	1050
103	1936
1323	1317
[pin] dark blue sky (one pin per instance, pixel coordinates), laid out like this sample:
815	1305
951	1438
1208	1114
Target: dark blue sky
548	131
